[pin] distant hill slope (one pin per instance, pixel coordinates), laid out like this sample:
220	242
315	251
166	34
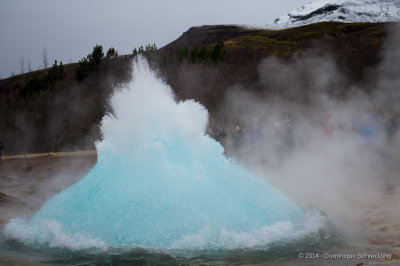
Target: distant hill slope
15	82
208	34
356	46
291	40
340	11
204	64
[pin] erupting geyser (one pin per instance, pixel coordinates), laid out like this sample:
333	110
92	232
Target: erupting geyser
161	182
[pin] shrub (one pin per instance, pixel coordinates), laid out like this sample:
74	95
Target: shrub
90	63
42	83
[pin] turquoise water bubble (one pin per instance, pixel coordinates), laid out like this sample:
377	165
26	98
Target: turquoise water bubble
160	182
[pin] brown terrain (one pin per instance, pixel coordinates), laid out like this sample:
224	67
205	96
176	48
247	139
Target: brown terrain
26	182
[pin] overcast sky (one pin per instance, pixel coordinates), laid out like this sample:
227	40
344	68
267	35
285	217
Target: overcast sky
69	29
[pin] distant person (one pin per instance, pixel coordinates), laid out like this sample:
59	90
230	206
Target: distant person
256	138
210	133
220	136
344	125
277	140
287	115
287	138
367	127
237	138
1	149
329	128
390	125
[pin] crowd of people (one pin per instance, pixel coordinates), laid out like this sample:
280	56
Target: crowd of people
281	138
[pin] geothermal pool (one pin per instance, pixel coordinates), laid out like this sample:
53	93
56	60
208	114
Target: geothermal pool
163	191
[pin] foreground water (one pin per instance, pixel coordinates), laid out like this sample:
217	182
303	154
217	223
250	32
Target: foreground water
163	191
13	252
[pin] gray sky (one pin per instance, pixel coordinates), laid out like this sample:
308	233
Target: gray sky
69	29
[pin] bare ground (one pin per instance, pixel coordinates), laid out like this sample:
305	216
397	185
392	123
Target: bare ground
26	182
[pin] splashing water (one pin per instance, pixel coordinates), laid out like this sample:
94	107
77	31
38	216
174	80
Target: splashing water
160	182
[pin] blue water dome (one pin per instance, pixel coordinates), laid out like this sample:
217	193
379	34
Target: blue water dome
160	182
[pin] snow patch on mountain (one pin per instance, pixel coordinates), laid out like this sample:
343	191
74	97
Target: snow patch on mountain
342	11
